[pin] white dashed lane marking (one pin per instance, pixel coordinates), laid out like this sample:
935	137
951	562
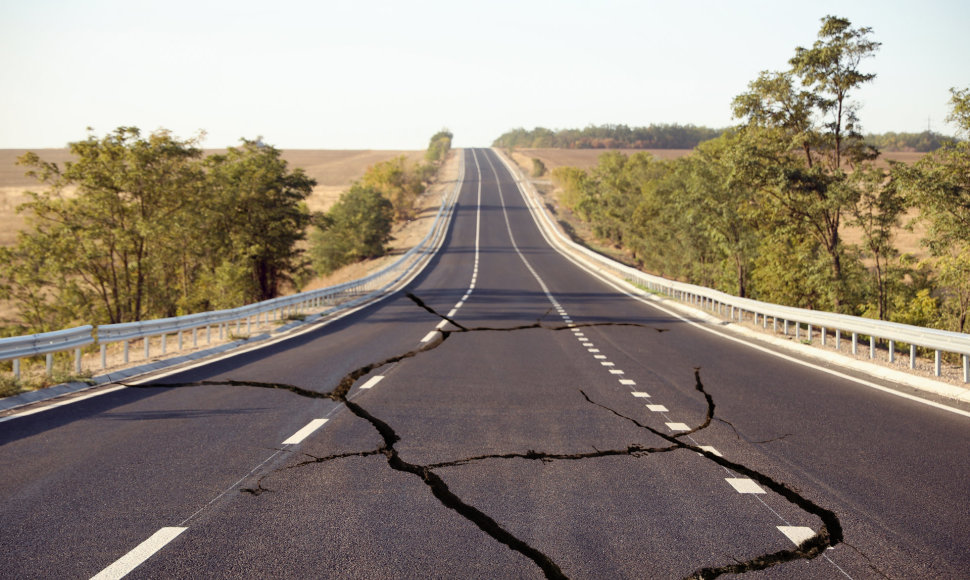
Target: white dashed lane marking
797	534
640	394
305	432
710	450
678	427
372	381
142	552
430	336
744	485
657	408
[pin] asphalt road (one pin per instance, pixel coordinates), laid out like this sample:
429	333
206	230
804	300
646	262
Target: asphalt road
529	420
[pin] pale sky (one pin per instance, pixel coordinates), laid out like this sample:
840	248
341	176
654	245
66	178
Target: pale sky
385	74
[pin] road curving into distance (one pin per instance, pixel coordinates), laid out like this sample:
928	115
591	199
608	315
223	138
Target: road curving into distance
505	415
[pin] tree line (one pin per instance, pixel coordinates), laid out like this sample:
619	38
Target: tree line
763	209
608	137
681	137
923	142
139	227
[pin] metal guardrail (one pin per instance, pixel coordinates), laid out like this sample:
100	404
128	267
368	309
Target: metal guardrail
338	297
46	343
788	319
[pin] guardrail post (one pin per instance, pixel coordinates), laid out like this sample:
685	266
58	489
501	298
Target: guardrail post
126	351
163	344
50	364
798	330
936	363
774	324
838	339
249	325
872	346
195	337
892	350
966	368
104	356
77	361
147	347
809	333
180	341
764	321
823	336
16	368
786	327
912	356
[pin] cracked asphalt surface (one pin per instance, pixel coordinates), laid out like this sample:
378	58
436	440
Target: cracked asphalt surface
550	427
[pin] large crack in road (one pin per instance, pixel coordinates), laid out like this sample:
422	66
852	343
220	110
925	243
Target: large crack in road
828	535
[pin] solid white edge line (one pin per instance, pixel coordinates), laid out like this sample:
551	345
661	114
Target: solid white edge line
305	432
62	403
142	552
372	381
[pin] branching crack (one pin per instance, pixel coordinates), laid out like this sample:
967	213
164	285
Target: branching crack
830	533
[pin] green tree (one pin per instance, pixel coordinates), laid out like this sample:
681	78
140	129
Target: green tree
257	216
538	167
573	183
830	68
939	184
820	124
98	238
356	228
721	206
438	147
397	182
877	214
